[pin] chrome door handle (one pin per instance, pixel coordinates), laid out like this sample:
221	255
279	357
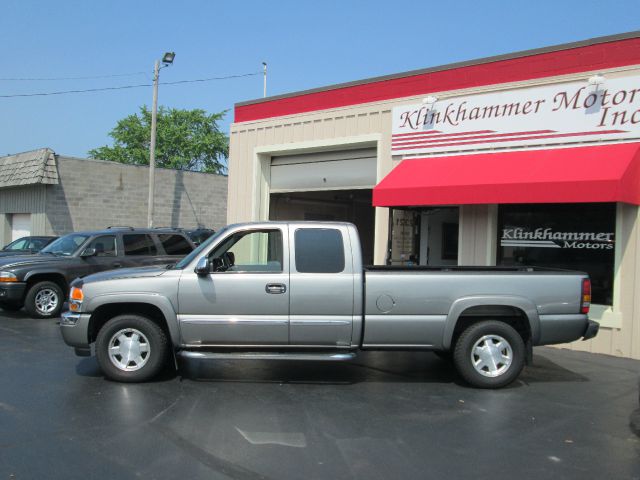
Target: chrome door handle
275	288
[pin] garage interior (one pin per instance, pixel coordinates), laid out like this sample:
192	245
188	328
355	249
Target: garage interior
329	186
335	205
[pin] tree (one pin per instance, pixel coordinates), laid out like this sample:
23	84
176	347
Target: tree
186	140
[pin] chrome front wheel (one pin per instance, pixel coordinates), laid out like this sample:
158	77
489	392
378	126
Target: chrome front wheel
132	348
129	349
46	301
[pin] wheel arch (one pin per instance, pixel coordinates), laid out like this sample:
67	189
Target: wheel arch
520	312
56	276
156	308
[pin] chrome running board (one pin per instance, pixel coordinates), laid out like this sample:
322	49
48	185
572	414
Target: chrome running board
323	357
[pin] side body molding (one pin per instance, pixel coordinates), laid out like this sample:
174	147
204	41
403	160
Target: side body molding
159	301
464	303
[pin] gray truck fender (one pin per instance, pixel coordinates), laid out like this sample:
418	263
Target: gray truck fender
159	301
464	303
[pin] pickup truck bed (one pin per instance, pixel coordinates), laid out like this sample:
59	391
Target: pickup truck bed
400	316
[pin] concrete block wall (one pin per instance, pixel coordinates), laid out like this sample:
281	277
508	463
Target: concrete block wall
93	194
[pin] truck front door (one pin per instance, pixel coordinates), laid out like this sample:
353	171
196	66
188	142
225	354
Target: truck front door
244	301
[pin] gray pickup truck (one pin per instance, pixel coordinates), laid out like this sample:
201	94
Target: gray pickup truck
299	291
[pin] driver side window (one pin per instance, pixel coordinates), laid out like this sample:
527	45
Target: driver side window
253	251
105	246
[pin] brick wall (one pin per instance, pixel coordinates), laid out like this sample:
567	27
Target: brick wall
94	194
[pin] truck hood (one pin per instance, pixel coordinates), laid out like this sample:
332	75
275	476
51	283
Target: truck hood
135	272
28	260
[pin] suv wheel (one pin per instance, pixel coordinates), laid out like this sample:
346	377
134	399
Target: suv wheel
489	354
131	348
44	300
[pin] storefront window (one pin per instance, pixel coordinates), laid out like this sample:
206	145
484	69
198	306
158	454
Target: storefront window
571	236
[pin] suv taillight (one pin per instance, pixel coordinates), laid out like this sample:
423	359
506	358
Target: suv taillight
586	296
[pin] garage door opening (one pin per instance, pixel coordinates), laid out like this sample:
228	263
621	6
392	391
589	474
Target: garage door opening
335	205
20	225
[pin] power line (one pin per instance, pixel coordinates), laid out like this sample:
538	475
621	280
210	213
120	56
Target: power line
47	79
125	87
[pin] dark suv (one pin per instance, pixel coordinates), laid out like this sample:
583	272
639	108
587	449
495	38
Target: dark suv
40	282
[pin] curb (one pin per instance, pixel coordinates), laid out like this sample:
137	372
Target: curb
634	420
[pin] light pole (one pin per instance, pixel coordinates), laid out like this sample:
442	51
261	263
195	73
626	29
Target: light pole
264	73
167	60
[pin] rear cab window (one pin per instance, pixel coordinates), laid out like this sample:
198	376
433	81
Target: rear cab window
139	244
319	250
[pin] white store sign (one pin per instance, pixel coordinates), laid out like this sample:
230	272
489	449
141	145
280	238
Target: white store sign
559	113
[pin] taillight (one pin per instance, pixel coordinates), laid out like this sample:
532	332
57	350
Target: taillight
586	296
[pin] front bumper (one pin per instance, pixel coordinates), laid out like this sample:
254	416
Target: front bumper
12	292
75	331
591	330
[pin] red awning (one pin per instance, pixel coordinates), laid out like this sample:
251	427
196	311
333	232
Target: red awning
605	173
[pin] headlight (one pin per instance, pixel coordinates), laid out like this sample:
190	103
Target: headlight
76	296
8	277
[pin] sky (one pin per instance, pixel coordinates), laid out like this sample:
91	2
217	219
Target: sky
306	44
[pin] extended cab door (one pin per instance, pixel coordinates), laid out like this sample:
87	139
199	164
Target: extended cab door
244	301
322	286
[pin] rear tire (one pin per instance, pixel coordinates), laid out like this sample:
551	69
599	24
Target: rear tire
44	300
131	348
489	354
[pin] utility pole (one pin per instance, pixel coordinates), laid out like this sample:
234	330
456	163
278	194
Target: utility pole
167	60
152	145
264	70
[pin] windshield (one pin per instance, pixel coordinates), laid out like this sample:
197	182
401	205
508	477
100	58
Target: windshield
19	244
189	258
66	245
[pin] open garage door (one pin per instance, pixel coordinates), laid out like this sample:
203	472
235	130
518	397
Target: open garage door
329	186
345	169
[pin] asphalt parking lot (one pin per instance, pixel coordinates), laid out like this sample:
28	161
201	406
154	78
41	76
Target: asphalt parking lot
383	416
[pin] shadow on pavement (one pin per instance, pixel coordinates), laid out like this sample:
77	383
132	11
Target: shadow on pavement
544	370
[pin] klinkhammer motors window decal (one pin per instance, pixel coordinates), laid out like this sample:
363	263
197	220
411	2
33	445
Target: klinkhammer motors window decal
578	236
560	113
548	238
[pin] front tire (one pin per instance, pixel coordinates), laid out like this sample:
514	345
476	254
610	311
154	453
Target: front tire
131	348
44	300
489	354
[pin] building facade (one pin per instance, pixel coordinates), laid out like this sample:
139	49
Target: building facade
529	158
42	193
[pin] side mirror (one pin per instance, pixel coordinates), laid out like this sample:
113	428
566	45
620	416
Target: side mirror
203	267
88	252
